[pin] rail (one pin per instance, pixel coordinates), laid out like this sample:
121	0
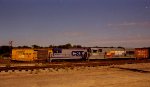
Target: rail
58	65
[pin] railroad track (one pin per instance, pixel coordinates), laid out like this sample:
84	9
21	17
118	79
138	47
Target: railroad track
59	65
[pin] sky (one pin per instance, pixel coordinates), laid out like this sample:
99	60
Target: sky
85	22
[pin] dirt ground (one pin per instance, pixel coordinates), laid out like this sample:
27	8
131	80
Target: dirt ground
102	76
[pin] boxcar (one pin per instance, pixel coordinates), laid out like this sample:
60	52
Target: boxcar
29	54
141	53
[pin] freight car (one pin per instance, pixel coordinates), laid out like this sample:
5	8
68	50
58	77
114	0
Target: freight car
29	54
142	53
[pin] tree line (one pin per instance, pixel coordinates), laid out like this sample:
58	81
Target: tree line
66	46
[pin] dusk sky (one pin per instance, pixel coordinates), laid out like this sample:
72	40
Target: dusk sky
86	22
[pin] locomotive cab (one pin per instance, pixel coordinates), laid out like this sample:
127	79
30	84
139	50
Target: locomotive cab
96	53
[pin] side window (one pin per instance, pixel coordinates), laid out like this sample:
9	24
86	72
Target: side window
94	51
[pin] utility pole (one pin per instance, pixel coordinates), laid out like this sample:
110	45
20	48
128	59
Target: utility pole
10	44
